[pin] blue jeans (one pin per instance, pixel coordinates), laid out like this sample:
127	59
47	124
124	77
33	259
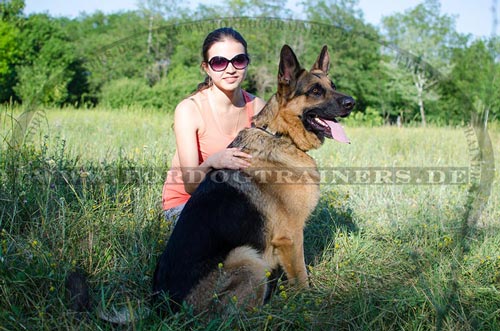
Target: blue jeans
172	214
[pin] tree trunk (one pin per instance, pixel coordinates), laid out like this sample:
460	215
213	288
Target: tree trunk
485	120
421	107
419	84
150	34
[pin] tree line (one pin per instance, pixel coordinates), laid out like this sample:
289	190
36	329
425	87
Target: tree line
414	68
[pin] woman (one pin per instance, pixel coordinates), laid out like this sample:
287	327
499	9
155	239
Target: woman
207	121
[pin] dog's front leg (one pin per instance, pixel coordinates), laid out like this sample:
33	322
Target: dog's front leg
290	251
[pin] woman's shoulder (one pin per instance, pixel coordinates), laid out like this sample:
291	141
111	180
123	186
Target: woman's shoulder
258	103
248	95
254	98
191	103
188	112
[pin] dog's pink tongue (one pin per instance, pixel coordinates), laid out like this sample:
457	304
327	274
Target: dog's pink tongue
338	132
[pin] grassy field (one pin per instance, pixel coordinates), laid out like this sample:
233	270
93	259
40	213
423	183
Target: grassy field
84	192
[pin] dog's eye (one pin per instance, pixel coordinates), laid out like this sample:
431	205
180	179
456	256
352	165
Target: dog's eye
316	91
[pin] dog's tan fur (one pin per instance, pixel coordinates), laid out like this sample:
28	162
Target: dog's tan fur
282	183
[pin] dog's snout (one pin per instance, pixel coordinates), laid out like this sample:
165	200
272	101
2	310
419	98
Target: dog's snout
347	103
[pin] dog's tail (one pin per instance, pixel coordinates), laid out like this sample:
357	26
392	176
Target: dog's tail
239	282
246	267
248	258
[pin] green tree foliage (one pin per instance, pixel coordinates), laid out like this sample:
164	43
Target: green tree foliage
11	10
240	8
10	55
151	57
355	52
474	81
10	17
259	8
44	72
163	9
431	37
110	47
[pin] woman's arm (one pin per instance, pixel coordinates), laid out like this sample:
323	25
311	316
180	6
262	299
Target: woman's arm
187	122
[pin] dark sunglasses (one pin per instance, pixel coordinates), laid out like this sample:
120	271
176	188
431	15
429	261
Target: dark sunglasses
220	63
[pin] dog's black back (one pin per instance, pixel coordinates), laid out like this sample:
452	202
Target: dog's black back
206	231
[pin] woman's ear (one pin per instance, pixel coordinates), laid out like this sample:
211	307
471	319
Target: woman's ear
204	66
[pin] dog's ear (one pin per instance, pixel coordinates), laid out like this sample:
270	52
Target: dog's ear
323	61
289	68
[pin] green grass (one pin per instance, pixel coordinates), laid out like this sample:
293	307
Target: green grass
84	191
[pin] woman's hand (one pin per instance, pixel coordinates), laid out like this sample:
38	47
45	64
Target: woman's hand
229	158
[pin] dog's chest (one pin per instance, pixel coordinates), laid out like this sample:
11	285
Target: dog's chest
285	194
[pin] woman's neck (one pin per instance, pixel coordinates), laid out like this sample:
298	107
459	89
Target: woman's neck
227	98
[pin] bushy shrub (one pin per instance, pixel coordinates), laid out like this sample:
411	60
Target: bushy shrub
370	117
126	92
135	92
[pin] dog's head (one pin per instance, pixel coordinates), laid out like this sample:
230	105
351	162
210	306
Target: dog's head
309	103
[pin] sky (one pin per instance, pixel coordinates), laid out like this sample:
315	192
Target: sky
472	16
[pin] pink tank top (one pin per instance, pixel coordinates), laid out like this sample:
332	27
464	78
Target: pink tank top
210	140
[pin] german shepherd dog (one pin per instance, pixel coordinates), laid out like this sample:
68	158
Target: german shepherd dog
240	225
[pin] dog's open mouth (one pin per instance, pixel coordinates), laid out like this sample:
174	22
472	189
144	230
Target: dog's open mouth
330	128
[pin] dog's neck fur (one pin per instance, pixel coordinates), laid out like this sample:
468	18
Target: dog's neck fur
271	120
265	129
268	114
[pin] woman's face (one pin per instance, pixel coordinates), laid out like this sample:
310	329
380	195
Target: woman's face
230	78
